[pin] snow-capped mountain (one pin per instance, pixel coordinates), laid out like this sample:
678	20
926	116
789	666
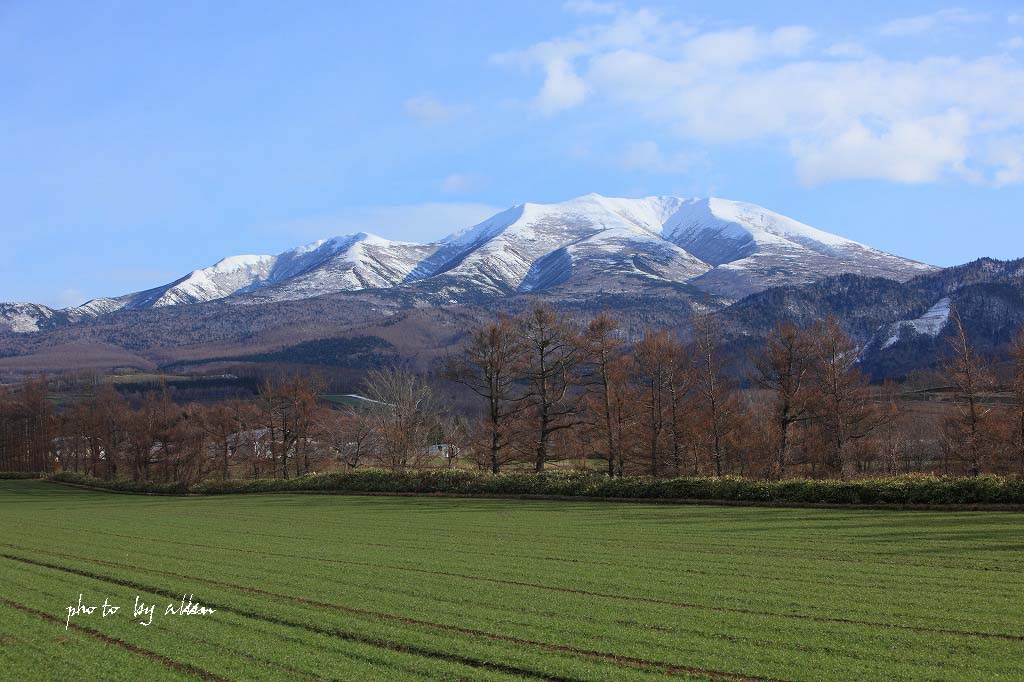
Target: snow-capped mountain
592	243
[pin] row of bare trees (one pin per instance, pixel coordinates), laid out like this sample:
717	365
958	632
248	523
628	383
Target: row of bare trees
26	428
548	391
666	405
286	430
659	406
979	434
157	439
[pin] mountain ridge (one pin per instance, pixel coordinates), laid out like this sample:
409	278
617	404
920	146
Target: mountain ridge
590	244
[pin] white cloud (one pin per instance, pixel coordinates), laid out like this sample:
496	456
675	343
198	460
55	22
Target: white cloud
562	88
743	45
648	156
462	183
1014	43
590	7
926	23
429	109
908	151
860	116
1007	156
70	297
846	49
1015	19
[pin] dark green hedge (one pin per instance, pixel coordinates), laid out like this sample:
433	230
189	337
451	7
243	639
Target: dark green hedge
14	475
914	490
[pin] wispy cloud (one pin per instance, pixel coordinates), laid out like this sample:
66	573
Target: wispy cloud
429	109
563	88
70	297
841	112
463	183
927	23
648	156
590	7
846	49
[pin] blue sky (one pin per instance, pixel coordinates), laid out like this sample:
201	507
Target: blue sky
141	140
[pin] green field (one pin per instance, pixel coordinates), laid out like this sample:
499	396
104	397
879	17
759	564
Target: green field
315	587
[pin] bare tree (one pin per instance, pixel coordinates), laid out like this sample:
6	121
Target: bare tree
654	366
222	426
715	393
843	400
150	432
289	412
1017	357
249	443
892	437
970	377
104	415
603	350
350	435
403	413
784	369
487	365
681	382
551	360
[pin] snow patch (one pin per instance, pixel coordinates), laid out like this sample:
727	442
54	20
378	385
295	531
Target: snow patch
24	318
930	324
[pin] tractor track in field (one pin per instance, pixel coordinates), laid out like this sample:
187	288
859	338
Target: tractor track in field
585	593
296	639
114	641
627	661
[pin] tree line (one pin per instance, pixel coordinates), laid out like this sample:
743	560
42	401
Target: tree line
673	405
538	390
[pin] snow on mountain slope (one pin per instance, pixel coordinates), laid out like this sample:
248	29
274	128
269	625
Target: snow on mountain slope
227	276
720	231
24	317
930	324
363	261
753	248
746	248
32	317
345	263
97	306
613	260
499	254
